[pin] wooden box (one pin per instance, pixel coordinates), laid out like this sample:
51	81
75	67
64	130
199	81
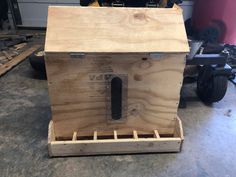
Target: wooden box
114	74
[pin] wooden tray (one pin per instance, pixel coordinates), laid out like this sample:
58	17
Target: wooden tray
115	144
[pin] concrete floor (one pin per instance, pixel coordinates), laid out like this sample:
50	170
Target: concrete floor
209	148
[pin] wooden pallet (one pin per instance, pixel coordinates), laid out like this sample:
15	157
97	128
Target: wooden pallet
17	59
115	144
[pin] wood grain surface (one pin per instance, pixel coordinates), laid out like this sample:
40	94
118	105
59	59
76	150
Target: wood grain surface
115	30
77	89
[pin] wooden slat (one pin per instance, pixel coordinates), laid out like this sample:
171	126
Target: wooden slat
178	132
16	60
156	134
9	57
115	134
51	133
124	30
135	134
74	138
95	135
120	146
51	137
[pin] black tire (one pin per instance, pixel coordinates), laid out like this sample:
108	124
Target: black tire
211	88
210	34
37	62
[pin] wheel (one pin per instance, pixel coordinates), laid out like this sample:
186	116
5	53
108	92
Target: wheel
211	88
210	34
37	62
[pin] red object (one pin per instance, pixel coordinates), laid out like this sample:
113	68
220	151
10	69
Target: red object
220	14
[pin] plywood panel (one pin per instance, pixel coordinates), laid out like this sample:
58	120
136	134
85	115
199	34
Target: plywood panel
115	30
77	89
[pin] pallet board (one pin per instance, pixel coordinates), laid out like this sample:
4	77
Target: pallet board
113	144
17	59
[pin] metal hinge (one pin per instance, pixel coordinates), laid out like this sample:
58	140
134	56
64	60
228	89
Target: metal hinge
152	4
118	3
77	55
156	55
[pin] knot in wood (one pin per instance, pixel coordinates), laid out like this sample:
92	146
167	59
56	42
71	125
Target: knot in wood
140	16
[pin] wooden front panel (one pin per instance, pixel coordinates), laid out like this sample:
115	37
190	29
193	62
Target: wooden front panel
78	92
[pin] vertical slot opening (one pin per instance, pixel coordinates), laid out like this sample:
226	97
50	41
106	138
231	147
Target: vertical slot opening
116	98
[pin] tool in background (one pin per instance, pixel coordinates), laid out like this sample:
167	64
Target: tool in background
131	3
216	28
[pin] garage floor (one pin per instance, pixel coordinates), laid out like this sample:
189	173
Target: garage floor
209	148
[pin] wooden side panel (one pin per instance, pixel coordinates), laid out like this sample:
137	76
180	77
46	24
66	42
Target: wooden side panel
78	92
51	136
112	147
